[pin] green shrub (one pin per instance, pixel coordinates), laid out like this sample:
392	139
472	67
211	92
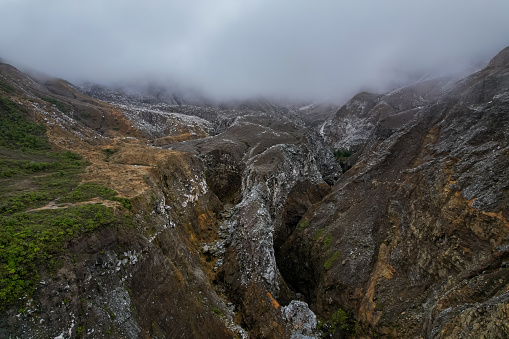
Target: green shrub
62	107
342	156
60	177
125	202
342	153
33	241
16	132
109	152
7	88
88	191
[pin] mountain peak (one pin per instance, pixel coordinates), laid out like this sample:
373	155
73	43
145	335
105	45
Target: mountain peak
501	59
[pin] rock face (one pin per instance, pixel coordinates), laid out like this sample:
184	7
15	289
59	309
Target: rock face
369	116
246	226
413	237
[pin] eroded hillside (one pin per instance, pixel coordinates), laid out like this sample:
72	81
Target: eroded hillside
386	217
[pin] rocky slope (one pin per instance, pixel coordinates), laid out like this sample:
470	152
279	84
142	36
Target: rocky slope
413	239
245	225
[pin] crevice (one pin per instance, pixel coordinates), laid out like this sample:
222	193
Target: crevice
297	267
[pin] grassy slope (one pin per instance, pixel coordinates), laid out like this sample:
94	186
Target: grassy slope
31	176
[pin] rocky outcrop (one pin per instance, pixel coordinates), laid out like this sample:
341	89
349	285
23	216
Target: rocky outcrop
368	116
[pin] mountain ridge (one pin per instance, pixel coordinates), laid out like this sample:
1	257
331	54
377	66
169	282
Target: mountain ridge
386	216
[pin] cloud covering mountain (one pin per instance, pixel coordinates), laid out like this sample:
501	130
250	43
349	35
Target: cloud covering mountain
296	49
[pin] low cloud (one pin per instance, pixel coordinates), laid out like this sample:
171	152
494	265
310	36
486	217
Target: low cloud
294	49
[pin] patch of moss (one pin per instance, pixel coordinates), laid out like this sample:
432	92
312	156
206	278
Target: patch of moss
379	306
338	323
327	241
80	330
303	225
328	263
85	114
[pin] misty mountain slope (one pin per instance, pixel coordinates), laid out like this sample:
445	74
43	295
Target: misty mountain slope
354	123
413	239
386	217
168	102
174	214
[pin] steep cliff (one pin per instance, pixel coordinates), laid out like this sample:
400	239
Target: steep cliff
413	239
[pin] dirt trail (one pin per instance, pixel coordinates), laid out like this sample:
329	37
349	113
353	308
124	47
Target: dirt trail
54	205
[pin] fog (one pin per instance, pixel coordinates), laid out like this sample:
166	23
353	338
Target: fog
319	50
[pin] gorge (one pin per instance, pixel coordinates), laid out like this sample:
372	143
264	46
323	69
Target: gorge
385	217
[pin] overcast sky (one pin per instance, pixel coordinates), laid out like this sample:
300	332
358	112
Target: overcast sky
298	49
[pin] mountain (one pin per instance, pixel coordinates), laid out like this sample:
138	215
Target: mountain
148	214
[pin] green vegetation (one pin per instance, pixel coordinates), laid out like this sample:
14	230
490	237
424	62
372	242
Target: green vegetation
328	264
109	152
59	104
80	330
30	241
342	156
32	162
88	191
327	241
341	153
318	234
7	88
16	132
303	225
85	114
217	311
338	321
33	242
28	184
